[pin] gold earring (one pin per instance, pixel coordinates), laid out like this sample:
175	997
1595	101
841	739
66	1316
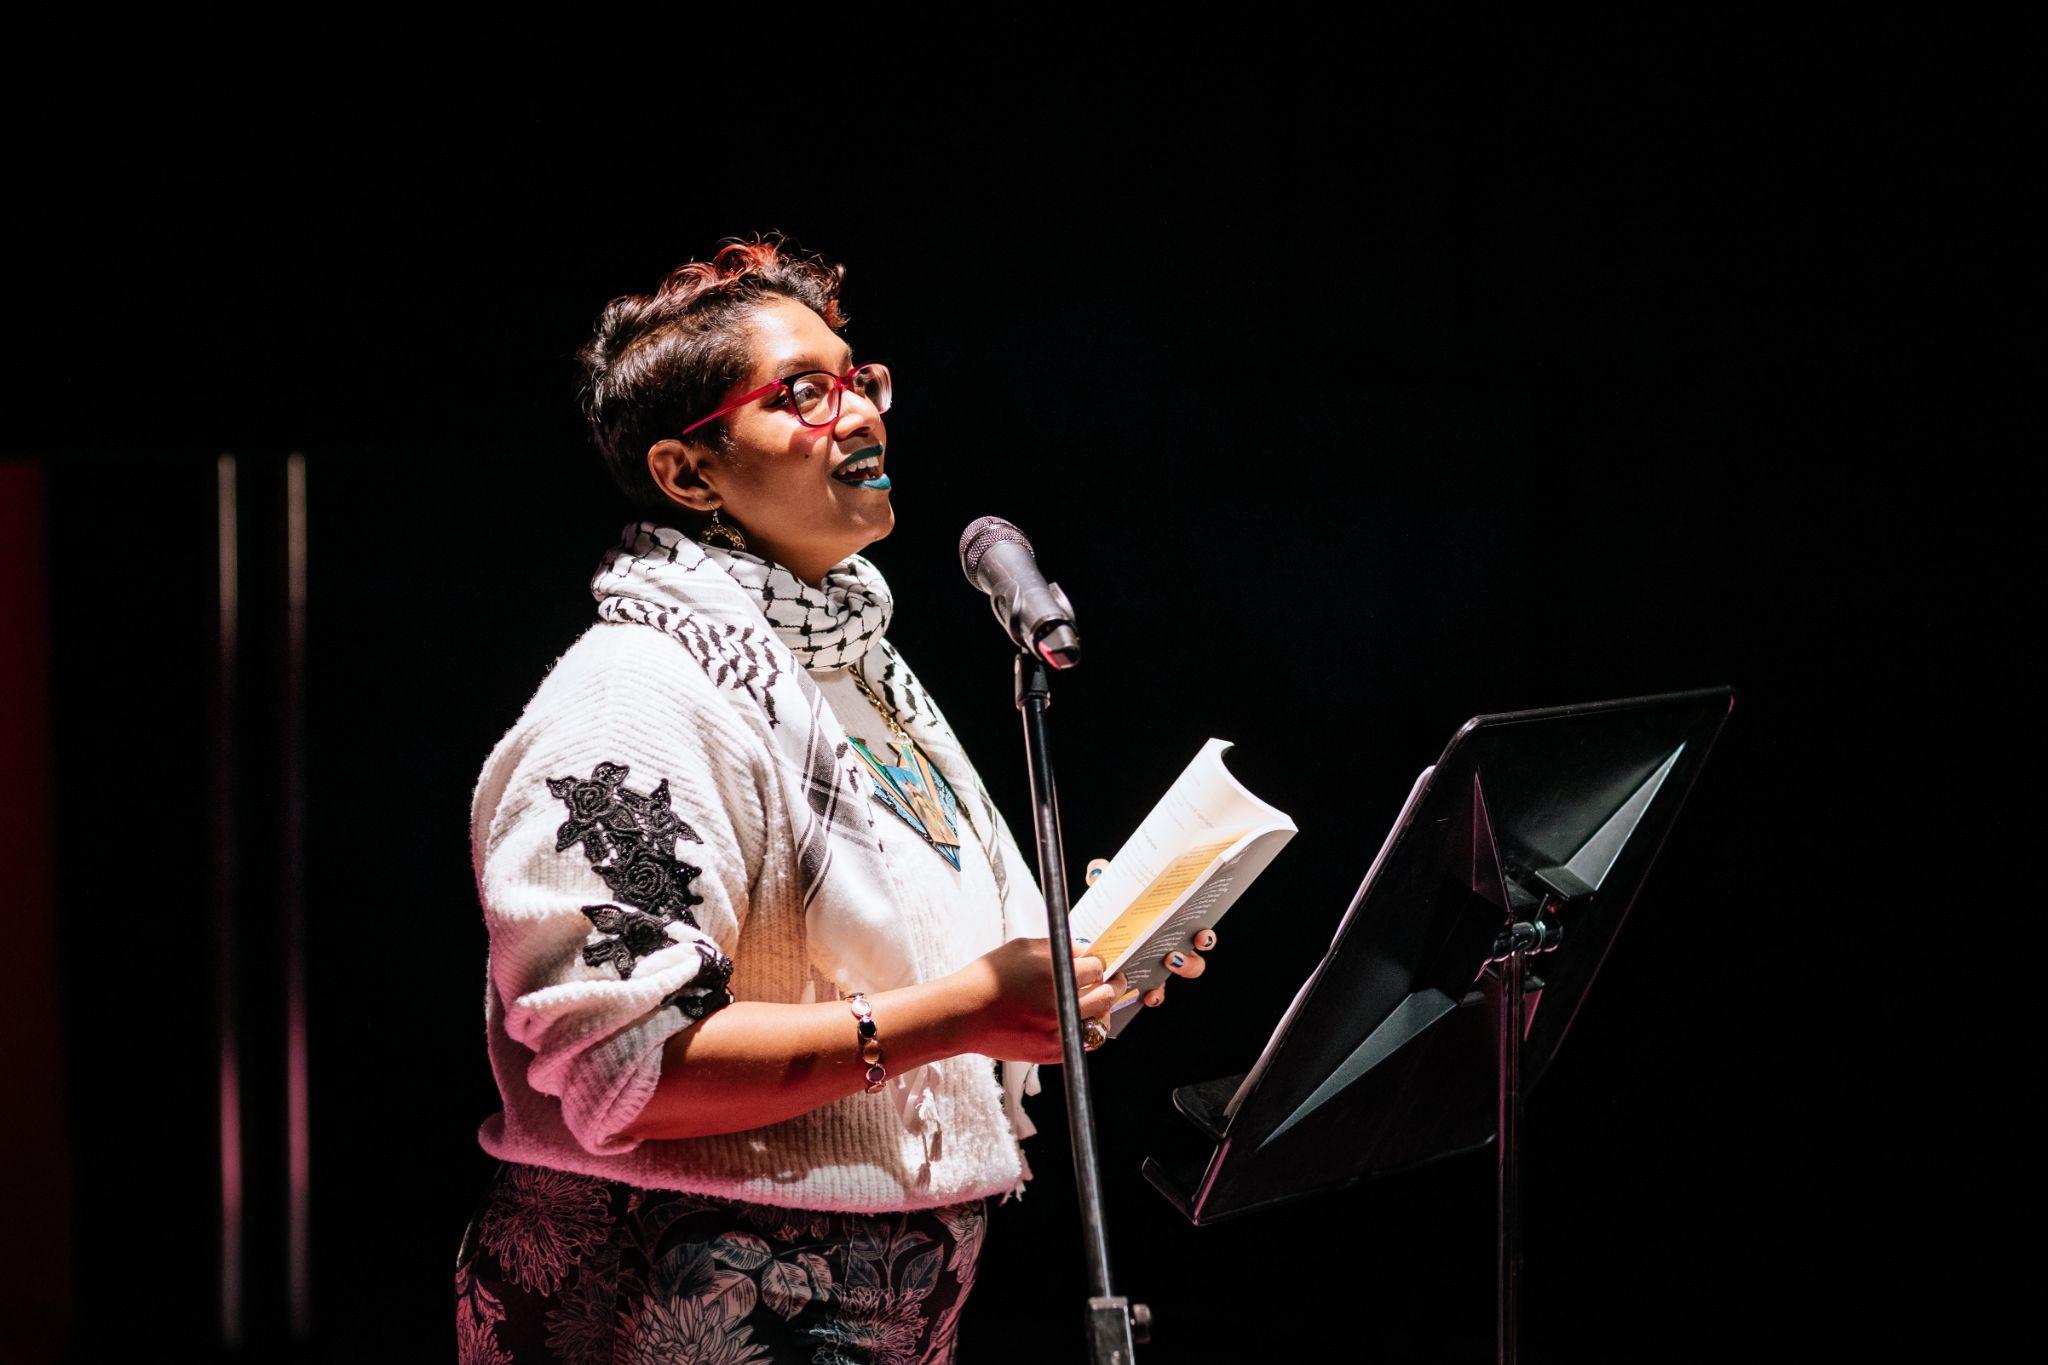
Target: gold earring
718	531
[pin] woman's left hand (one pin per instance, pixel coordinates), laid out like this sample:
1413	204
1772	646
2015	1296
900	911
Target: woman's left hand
1187	961
1184	962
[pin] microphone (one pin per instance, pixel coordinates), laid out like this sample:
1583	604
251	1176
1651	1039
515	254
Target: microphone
999	560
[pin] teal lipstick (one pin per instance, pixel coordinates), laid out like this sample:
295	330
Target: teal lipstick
880	480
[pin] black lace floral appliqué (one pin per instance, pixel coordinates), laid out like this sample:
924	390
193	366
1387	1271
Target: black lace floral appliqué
630	840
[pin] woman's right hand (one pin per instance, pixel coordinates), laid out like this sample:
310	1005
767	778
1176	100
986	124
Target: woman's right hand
1011	1012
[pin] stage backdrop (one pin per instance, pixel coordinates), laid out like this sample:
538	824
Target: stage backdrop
1340	422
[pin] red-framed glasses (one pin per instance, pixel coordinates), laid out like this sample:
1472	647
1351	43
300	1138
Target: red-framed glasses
815	395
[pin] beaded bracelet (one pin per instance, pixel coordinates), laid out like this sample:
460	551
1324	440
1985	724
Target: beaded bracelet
870	1046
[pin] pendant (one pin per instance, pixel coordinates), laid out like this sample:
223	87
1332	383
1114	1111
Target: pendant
918	793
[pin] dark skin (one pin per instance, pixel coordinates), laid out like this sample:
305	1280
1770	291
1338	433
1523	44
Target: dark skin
755	1063
775	484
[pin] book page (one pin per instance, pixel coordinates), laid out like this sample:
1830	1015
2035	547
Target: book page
1129	928
1205	901
1204	805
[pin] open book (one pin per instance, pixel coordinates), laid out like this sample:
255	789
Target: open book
1180	870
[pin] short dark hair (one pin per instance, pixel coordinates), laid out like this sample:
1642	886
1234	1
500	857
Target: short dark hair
657	362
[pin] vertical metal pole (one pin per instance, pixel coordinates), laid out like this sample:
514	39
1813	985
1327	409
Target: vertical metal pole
1508	1188
298	1232
228	1085
1108	1316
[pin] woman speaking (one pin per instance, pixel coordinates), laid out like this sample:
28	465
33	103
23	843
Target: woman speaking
767	977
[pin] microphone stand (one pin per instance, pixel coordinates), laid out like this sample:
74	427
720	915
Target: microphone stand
1114	1323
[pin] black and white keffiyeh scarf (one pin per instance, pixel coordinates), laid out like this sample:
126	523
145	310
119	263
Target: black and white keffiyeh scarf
756	629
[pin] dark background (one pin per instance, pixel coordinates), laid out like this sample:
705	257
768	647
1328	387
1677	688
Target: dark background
1344	403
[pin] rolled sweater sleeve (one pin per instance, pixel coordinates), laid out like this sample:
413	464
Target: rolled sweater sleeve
617	831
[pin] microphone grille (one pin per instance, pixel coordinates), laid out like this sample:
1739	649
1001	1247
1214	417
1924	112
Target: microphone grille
984	535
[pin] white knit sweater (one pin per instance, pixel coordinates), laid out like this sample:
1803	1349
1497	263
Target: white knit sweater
577	1050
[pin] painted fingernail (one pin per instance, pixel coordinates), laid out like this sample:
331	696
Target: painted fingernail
1176	960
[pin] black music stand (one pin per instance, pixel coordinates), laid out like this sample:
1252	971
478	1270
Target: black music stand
1531	835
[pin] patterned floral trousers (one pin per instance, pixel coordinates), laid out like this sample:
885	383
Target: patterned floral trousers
569	1268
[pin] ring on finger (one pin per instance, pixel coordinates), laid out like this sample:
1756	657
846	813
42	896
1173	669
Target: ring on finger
1093	1035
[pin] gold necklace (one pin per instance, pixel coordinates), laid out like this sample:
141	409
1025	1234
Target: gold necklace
888	711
